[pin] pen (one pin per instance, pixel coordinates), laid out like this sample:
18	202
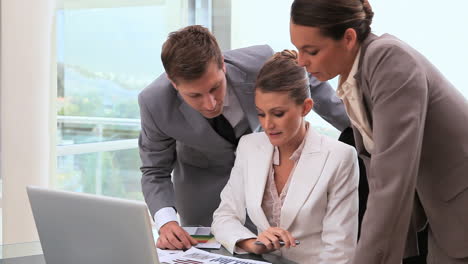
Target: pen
281	242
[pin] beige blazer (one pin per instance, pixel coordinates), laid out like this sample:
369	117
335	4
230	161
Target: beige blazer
420	128
320	208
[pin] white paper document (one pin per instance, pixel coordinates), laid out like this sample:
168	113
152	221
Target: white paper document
197	256
162	253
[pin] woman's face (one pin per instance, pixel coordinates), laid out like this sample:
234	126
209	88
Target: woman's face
281	118
323	57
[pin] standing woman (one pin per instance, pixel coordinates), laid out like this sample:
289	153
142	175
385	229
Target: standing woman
410	126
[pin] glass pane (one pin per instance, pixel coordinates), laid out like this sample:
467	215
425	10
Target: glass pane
105	56
107	52
75	130
437	31
110	173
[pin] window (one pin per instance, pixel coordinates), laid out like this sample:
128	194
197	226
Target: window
436	29
107	52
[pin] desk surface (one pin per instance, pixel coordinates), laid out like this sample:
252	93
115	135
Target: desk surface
31	253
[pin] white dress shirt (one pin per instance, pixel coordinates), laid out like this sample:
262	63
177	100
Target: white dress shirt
233	112
349	92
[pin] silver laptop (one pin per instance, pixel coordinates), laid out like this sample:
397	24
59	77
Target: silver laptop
76	228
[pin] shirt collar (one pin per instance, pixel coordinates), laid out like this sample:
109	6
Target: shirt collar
344	88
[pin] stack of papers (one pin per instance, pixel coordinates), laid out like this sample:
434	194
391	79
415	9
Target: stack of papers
197	256
204	237
201	234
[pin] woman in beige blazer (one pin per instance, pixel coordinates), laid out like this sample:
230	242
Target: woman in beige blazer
294	183
410	126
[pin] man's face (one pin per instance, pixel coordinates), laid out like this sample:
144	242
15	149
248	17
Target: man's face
205	94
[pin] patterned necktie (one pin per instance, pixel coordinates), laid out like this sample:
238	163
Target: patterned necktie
222	126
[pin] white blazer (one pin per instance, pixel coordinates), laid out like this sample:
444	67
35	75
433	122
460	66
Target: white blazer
320	208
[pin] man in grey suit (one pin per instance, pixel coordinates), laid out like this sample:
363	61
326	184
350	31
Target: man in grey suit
192	117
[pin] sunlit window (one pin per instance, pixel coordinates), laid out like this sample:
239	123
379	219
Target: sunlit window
107	52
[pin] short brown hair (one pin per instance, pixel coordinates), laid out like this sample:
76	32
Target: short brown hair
281	73
333	17
187	52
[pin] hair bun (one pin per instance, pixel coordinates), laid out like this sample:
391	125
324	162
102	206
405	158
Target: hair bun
368	10
291	54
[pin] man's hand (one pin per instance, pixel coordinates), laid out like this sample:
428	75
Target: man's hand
172	236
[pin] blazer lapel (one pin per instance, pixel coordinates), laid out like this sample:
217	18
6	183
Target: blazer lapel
201	126
365	95
304	178
245	92
363	85
258	169
364	47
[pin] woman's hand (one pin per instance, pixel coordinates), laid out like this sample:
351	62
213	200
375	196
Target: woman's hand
271	241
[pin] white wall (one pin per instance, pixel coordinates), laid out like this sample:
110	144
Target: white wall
26	106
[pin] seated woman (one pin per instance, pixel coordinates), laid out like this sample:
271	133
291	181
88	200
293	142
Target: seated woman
294	183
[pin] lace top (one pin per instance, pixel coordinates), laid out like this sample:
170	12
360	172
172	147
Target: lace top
272	202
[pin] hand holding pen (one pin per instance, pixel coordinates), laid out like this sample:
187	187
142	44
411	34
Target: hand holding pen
274	238
297	242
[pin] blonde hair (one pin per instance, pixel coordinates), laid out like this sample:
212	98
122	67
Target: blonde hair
281	73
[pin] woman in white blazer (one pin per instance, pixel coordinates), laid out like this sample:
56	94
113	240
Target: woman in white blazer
294	183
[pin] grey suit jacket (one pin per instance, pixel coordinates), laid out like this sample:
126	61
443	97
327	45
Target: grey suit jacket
177	139
420	127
